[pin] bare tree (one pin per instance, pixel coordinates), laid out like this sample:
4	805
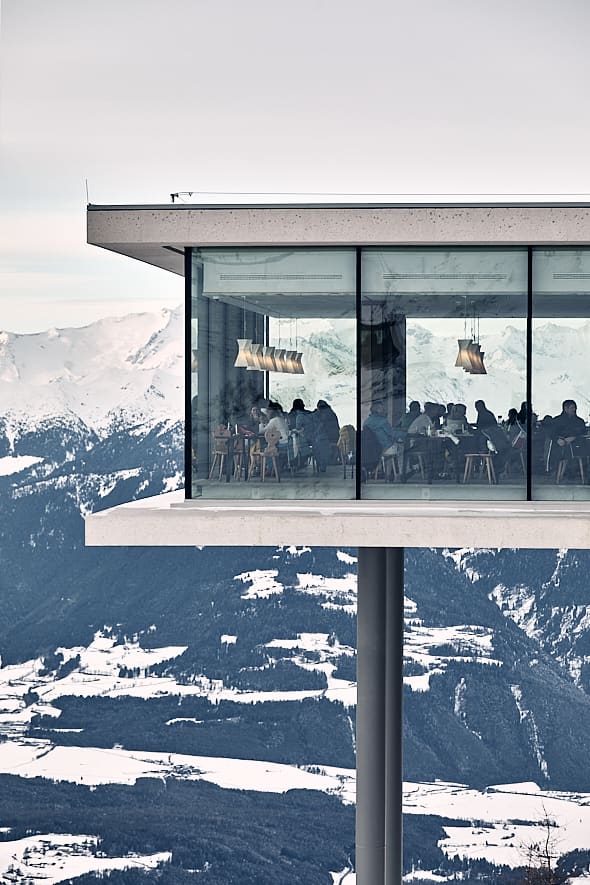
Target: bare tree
542	856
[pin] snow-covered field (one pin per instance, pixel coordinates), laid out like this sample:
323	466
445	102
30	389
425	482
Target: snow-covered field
503	820
92	766
500	822
15	463
54	857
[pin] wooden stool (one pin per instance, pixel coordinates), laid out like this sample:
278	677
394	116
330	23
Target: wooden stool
487	459
238	447
419	456
383	465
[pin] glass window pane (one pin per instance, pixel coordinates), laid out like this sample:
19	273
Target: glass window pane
561	394
276	382
441	331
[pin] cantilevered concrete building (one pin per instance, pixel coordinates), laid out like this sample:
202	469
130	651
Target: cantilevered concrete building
369	308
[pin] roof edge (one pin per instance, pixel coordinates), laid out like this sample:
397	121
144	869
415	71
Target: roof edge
488	204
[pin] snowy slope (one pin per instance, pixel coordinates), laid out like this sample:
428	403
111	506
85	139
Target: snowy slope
131	366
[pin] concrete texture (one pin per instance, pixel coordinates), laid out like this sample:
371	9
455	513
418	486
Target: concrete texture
143	232
168	521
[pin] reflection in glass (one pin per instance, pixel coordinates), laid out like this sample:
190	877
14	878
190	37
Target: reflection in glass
275	338
561	395
443	360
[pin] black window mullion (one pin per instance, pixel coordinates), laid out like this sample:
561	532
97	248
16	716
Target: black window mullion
529	375
188	354
358	453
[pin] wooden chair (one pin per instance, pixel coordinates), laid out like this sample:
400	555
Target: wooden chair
391	463
238	453
271	452
482	461
413	457
347	448
221	436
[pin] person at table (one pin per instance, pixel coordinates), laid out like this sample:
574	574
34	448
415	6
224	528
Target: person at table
297	409
523	413
437	415
277	420
376	421
567	435
485	418
515	429
414	410
253	422
492	437
326	430
423	424
457	419
301	424
437	450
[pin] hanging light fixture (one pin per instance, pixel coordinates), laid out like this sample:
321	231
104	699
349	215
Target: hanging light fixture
475	352
480	368
470	355
281	360
268	359
253	358
476	359
244	349
463	360
264	358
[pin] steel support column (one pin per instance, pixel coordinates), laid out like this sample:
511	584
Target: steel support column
378	717
394	665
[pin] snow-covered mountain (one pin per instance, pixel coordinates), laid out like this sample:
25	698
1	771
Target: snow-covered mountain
129	367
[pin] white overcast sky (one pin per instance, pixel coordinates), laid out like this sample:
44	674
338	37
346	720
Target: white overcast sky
148	97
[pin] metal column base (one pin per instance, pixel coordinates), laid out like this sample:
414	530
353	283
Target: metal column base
379	716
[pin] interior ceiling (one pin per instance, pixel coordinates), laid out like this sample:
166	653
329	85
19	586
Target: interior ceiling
433	306
341	305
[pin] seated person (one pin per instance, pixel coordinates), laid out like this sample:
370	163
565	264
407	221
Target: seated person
326	430
485	418
411	415
277	420
437	412
457	419
437	450
511	420
301	424
297	409
425	423
567	433
253	423
384	432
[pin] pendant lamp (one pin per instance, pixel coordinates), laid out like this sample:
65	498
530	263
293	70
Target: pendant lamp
252	358
268	362
463	360
244	347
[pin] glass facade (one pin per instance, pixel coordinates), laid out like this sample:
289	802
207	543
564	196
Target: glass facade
560	390
273	388
388	373
443	361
